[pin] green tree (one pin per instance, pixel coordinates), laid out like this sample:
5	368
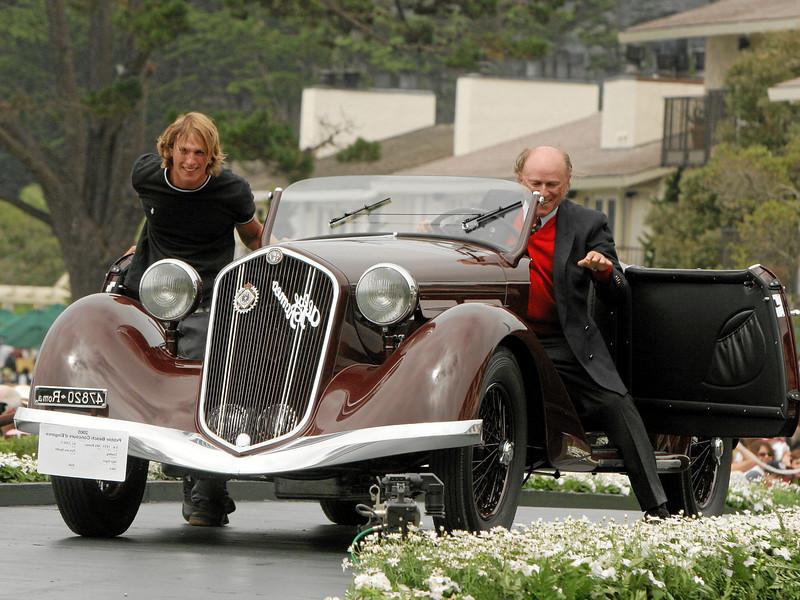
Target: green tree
743	207
756	120
29	253
75	82
77	106
87	85
712	222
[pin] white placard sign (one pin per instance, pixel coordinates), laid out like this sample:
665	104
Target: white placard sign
84	453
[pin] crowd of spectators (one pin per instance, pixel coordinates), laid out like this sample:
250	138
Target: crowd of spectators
769	459
16	365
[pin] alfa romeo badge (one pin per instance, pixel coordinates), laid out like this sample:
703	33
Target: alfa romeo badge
274	256
245	299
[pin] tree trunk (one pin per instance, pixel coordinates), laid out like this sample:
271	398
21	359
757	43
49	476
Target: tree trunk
93	210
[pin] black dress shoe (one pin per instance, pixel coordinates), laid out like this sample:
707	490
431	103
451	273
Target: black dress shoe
656	514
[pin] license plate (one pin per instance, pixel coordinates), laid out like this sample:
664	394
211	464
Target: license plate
70	397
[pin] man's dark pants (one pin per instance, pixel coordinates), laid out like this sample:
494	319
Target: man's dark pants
600	409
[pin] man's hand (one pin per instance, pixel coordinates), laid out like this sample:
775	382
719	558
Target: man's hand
594	261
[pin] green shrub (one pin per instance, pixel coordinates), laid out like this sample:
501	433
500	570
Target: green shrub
26	445
360	151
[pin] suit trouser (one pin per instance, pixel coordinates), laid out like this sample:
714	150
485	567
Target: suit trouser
616	415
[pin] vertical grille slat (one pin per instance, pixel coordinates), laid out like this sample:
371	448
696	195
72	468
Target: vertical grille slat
263	362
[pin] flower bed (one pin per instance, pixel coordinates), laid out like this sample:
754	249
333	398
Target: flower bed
735	556
581	483
18	460
754	496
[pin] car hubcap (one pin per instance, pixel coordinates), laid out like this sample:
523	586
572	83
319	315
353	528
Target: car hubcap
506	453
719	449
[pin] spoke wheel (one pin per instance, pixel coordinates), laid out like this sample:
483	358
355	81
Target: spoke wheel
702	488
482	483
491	462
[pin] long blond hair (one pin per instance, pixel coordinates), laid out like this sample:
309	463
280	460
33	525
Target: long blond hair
192	123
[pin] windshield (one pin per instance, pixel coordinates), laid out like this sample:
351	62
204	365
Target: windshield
405	205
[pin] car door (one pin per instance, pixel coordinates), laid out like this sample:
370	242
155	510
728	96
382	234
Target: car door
710	352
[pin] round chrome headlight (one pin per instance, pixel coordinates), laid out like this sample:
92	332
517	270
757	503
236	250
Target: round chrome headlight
386	294
170	289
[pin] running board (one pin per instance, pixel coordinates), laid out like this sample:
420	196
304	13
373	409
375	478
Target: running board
665	463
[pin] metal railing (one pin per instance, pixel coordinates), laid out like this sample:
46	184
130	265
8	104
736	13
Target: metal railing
631	255
690	125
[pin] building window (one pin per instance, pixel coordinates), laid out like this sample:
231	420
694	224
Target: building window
611	213
607	206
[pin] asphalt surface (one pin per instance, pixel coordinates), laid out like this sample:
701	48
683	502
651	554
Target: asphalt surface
275	550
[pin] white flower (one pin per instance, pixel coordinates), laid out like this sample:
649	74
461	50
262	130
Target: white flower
439	585
698	580
601	573
654	581
749	561
377	581
783	553
518	566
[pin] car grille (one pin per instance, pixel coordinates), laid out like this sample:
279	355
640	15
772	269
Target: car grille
268	337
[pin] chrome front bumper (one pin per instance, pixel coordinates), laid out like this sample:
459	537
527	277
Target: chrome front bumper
191	451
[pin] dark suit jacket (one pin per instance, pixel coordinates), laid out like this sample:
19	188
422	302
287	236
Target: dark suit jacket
578	230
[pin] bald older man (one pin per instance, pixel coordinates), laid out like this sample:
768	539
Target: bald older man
570	248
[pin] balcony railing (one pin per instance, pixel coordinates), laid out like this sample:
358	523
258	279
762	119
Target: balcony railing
633	255
689	127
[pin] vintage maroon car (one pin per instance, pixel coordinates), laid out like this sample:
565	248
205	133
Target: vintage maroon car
382	331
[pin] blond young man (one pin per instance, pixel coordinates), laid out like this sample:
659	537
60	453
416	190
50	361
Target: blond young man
192	205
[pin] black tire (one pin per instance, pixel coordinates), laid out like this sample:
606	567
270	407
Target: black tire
93	508
482	483
702	488
342	512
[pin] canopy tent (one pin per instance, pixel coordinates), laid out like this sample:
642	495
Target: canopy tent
5	316
27	330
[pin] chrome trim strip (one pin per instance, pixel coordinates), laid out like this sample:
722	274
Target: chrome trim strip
190	450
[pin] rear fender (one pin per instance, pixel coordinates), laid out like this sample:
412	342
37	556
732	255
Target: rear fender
108	341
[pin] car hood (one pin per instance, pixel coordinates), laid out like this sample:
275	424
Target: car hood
430	261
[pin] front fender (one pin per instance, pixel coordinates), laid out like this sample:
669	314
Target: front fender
108	341
436	375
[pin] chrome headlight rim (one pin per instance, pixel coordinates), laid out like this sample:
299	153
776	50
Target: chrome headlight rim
189	305
411	299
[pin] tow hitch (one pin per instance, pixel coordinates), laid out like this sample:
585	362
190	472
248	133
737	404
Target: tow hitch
395	508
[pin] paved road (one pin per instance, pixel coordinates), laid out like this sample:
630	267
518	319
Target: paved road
275	550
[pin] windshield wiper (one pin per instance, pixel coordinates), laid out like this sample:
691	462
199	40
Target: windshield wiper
472	223
364	209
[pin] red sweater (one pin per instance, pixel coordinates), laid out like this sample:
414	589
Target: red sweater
541	297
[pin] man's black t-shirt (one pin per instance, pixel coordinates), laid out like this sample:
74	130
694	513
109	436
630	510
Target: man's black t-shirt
195	226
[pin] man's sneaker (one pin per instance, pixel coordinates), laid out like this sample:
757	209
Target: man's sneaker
207	518
206	502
